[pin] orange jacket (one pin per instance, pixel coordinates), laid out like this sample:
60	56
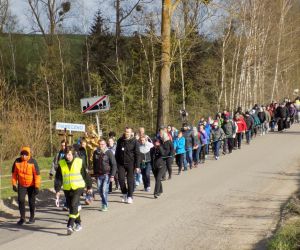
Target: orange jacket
26	173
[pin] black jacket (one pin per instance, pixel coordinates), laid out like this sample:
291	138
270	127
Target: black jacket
168	148
104	163
249	122
189	139
262	116
82	153
128	152
281	112
157	154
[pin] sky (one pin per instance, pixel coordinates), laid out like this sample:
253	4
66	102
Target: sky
86	10
82	14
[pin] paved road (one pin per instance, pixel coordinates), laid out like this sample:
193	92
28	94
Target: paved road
231	204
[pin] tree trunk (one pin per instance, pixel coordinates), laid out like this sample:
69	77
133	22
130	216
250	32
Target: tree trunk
165	80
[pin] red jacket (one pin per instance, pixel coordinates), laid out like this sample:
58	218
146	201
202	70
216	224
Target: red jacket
242	126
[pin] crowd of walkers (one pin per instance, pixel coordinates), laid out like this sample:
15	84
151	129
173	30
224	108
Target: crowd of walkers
127	162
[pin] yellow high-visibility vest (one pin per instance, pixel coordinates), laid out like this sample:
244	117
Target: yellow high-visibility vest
72	179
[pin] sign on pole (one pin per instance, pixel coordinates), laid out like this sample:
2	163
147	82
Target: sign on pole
94	104
70	126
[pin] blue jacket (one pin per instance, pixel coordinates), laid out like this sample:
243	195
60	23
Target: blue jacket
208	130
179	145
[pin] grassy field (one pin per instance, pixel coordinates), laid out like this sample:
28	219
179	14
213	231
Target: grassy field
287	237
6	186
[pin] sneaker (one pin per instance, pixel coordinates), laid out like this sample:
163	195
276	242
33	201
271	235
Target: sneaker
217	157
148	189
31	220
79	208
70	230
155	196
104	208
21	222
129	200
124	198
77	227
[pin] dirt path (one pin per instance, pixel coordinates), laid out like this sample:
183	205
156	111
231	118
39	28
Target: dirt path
229	204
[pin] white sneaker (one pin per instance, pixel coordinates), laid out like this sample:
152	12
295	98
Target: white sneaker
129	200
77	228
124	198
79	208
70	230
148	189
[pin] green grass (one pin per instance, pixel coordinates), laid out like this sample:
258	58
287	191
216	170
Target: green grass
287	238
44	165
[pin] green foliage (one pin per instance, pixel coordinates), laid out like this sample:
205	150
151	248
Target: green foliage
287	238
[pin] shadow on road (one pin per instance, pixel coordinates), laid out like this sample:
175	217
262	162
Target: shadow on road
10	226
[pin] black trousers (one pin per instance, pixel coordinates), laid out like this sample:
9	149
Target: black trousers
230	144
73	198
158	173
280	124
22	191
238	140
126	171
202	153
116	182
179	161
169	162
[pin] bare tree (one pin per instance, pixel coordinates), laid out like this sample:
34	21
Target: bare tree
47	14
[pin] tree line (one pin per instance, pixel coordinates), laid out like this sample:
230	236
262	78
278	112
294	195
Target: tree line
195	55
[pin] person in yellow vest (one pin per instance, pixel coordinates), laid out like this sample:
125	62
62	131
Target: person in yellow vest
73	176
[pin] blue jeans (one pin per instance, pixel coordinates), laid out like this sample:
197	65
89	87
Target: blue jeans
145	169
248	136
103	186
188	158
217	145
138	179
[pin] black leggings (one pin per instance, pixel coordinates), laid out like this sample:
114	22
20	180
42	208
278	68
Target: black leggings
128	172
22	191
73	198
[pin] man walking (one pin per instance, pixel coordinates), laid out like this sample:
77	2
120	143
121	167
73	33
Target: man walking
26	179
127	157
105	168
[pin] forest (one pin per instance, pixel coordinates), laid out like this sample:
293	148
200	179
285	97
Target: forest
152	58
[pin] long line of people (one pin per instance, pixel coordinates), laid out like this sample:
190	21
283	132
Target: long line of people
128	161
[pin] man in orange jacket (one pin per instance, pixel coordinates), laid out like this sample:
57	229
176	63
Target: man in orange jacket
26	179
